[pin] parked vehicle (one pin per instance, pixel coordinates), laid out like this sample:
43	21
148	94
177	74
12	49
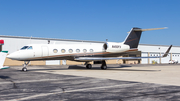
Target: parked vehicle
173	61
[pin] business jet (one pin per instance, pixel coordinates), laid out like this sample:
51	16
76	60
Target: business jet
83	52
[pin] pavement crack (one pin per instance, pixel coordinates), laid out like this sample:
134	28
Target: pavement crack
7	78
63	89
14	84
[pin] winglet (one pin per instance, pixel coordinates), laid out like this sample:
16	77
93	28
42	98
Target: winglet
167	52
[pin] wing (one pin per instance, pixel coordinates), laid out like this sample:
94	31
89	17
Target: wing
115	58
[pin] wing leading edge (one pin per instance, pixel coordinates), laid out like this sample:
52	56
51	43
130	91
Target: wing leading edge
115	58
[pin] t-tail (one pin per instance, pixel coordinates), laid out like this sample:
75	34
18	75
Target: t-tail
134	36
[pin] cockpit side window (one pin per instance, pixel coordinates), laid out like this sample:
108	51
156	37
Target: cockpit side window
30	47
25	47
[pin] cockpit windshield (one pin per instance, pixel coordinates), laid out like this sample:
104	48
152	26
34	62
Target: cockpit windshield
30	47
26	47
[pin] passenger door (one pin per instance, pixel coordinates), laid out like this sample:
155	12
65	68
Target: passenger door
45	51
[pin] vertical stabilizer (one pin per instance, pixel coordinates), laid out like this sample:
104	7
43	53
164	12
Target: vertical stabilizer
133	38
135	34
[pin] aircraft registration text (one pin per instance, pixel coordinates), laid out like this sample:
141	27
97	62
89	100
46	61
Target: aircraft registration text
116	46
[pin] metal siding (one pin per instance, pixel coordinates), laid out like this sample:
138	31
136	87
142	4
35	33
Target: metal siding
13	44
176	57
165	59
162	49
156	50
52	62
144	61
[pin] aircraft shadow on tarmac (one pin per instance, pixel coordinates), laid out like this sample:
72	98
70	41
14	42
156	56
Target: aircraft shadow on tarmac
95	67
4	77
82	67
31	68
48	69
109	68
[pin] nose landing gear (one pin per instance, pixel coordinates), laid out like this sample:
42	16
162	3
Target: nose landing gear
24	69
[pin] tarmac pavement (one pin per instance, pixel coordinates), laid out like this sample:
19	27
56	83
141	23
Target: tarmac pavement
76	83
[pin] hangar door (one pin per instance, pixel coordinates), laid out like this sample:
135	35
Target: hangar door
144	60
52	62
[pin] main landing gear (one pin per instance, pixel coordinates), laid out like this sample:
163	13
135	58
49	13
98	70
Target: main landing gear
88	66
25	65
103	66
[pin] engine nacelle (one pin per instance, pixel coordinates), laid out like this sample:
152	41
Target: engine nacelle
115	47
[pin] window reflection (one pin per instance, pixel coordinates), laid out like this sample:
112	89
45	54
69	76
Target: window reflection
30	47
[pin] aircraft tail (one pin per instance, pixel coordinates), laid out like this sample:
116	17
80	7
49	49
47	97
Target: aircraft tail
134	36
2	59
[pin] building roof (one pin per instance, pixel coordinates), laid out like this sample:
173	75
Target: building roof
38	38
54	39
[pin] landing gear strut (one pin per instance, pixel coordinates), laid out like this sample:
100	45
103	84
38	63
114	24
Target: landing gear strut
104	66
25	65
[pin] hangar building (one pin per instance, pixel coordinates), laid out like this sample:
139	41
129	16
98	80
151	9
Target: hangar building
14	43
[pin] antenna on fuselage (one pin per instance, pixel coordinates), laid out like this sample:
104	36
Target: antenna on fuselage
30	39
48	41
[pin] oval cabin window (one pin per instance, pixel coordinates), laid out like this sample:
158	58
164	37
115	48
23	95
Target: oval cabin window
55	50
91	50
77	50
70	50
84	50
63	50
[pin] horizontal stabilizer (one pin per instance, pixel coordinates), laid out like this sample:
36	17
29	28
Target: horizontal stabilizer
4	67
2	59
149	29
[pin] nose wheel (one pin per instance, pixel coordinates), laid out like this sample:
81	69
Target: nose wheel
24	69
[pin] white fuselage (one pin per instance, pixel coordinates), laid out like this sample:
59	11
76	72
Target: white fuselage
82	52
65	51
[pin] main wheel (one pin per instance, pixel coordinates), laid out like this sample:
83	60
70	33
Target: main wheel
104	67
24	69
88	66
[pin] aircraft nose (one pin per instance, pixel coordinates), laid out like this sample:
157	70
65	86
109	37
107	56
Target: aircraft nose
12	56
